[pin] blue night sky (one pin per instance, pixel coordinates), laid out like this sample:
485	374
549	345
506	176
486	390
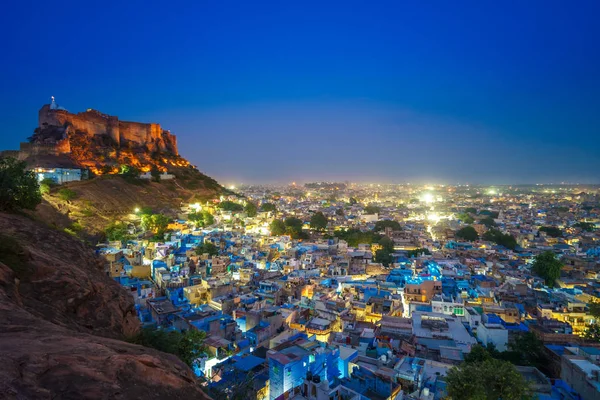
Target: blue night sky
467	91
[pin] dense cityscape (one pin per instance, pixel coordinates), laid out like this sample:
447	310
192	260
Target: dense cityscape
367	291
278	200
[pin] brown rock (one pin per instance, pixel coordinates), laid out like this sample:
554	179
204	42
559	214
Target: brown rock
60	321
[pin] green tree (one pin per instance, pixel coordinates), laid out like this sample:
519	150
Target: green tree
266	207
467	233
488	379
117	230
586	226
384	257
318	221
547	266
188	345
594	309
209	219
277	227
251	209
230	206
155	173
352	201
354	237
592	333
19	187
552	231
129	171
339	212
466	218
503	239
381	225
372	209
207	248
417	252
387	244
156	223
470	210
46	185
488	221
293	227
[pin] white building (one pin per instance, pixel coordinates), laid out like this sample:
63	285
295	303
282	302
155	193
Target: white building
495	334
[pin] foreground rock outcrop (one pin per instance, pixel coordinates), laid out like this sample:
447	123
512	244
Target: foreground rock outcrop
62	321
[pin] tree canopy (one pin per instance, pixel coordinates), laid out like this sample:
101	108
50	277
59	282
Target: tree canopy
586	226
207	248
547	266
117	230
293	227
268	207
201	218
552	231
381	225
318	221
592	333
19	187
467	233
230	206
156	223
277	227
372	209
417	252
188	345
354	237
466	218
488	221
251	209
489	379
503	239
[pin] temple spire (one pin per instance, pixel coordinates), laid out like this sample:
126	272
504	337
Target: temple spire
53	105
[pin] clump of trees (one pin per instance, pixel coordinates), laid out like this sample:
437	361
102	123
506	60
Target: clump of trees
207	248
201	218
268	207
156	223
586	226
354	237
19	189
381	225
466	218
318	221
188	345
552	231
251	209
488	222
417	252
503	239
467	233
487	379
371	209
231	206
384	255
547	266
290	226
117	231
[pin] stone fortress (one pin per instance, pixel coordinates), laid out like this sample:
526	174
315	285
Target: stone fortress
96	141
123	133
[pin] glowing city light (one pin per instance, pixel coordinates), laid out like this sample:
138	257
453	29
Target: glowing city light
427	198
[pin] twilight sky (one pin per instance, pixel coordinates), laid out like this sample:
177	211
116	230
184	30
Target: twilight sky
468	91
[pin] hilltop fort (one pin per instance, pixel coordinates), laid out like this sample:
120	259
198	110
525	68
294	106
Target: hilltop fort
98	142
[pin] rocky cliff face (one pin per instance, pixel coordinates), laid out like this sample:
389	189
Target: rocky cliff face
61	321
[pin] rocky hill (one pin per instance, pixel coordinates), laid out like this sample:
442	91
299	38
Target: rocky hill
102	200
63	321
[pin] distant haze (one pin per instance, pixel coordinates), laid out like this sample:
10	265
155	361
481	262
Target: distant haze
505	92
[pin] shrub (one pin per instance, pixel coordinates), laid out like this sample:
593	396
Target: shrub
67	194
